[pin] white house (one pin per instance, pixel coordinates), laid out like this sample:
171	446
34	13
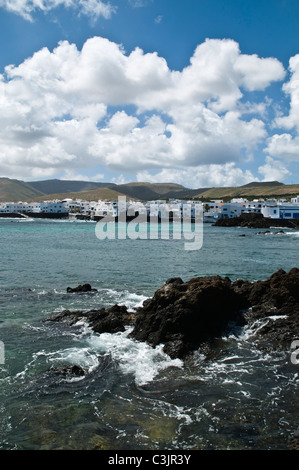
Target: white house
105	207
53	207
281	211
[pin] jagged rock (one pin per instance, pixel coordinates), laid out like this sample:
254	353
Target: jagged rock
278	295
81	288
110	320
183	315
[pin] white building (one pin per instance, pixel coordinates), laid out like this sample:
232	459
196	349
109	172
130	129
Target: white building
236	209
72	206
53	207
105	207
281	211
18	207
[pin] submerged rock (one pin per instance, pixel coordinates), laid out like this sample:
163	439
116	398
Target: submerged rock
68	371
81	288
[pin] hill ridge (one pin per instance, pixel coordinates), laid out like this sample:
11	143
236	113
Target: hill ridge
13	190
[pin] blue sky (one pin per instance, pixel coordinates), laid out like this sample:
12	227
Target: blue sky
201	93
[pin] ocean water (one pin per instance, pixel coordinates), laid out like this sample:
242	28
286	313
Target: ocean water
133	396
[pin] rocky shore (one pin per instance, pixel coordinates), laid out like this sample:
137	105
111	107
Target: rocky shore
256	221
185	315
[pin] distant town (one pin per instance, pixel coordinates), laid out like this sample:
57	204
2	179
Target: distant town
178	208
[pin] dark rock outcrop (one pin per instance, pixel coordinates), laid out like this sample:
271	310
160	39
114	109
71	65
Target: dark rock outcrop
276	300
111	320
81	288
68	371
185	315
255	220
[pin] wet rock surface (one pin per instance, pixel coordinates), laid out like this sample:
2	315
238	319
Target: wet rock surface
81	288
184	315
111	320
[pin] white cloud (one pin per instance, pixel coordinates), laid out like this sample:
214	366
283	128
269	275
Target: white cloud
291	89
26	8
139	3
273	170
203	176
284	146
119	180
75	176
257	73
56	111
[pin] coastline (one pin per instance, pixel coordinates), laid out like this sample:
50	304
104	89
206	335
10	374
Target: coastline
228	394
197	315
256	221
184	315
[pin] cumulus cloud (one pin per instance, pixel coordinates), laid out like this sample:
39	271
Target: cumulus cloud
273	170
72	175
69	108
26	8
203	176
284	146
291	88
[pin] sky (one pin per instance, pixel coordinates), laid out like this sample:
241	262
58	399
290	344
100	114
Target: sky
202	93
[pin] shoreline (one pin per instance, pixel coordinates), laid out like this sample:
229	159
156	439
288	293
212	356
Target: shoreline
245	220
257	221
197	315
182	315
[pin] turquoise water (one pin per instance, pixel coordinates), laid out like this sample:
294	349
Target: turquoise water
132	396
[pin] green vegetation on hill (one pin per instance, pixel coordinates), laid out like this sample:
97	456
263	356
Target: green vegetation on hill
56	186
92	195
251	192
14	191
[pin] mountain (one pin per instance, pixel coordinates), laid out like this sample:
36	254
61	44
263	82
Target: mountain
251	192
149	191
15	190
61	186
268	183
92	195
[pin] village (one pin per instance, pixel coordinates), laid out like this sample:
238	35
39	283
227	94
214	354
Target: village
176	208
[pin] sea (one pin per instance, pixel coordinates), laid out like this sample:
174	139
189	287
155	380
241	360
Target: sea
133	396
